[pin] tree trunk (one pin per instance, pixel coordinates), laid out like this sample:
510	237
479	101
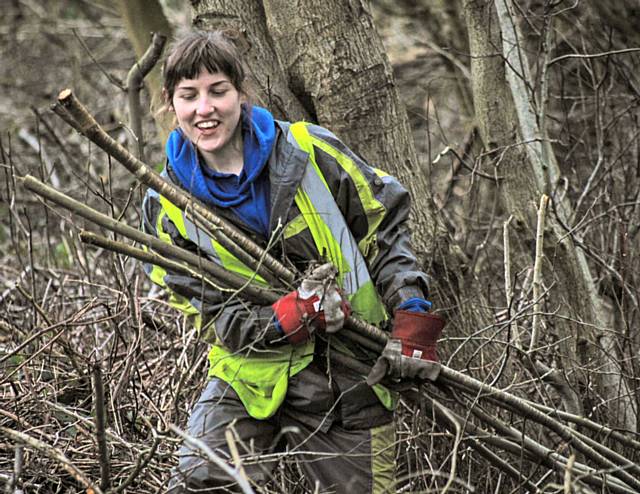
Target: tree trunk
338	68
326	63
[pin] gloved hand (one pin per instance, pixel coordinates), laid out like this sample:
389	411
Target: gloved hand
410	353
317	304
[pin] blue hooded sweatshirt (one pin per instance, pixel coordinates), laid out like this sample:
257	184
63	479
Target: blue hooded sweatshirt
247	194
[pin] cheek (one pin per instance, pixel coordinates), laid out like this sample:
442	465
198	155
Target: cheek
180	108
234	109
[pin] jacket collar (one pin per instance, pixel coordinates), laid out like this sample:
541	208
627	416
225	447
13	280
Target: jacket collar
287	165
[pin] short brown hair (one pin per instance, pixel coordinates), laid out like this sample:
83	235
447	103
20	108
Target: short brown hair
196	50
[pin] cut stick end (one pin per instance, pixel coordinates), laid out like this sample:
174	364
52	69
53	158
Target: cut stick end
26	180
64	95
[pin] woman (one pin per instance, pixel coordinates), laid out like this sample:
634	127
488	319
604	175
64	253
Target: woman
299	190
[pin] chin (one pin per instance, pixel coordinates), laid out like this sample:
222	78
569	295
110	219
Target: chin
210	148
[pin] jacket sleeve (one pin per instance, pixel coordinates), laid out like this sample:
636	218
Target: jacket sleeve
221	318
376	208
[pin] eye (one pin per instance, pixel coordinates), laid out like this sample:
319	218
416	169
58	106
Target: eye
187	96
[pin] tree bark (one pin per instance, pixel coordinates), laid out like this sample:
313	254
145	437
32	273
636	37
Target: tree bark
337	66
324	62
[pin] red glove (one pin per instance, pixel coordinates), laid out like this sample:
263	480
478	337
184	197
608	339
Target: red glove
410	353
317	304
418	332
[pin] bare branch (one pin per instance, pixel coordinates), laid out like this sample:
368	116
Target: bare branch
100	416
537	273
197	444
136	75
54	454
592	55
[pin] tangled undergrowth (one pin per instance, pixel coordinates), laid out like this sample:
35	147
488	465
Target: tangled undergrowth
86	342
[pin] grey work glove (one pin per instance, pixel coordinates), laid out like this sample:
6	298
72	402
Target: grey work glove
321	283
398	367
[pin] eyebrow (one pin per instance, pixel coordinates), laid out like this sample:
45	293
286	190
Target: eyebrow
213	84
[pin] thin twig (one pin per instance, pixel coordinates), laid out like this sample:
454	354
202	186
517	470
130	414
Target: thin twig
141	460
113	79
214	458
54	454
515	331
593	55
233	449
456	442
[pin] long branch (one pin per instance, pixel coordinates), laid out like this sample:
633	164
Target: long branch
589	424
232	280
169	264
624	482
152	258
520	445
453	377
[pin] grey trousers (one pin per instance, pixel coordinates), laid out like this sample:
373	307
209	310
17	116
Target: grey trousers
336	455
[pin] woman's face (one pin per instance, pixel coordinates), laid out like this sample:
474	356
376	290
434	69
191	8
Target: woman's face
208	110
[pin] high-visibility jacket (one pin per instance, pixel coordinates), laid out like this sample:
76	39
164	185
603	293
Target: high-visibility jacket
326	204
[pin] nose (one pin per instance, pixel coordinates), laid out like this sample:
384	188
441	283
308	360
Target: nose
205	106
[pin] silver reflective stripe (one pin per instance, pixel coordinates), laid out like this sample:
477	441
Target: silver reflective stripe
327	208
200	238
195	234
325	205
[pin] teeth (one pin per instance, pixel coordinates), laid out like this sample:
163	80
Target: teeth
207	125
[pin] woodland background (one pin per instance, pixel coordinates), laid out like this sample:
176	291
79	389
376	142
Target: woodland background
480	108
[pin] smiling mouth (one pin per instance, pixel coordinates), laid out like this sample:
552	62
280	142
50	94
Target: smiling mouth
207	125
